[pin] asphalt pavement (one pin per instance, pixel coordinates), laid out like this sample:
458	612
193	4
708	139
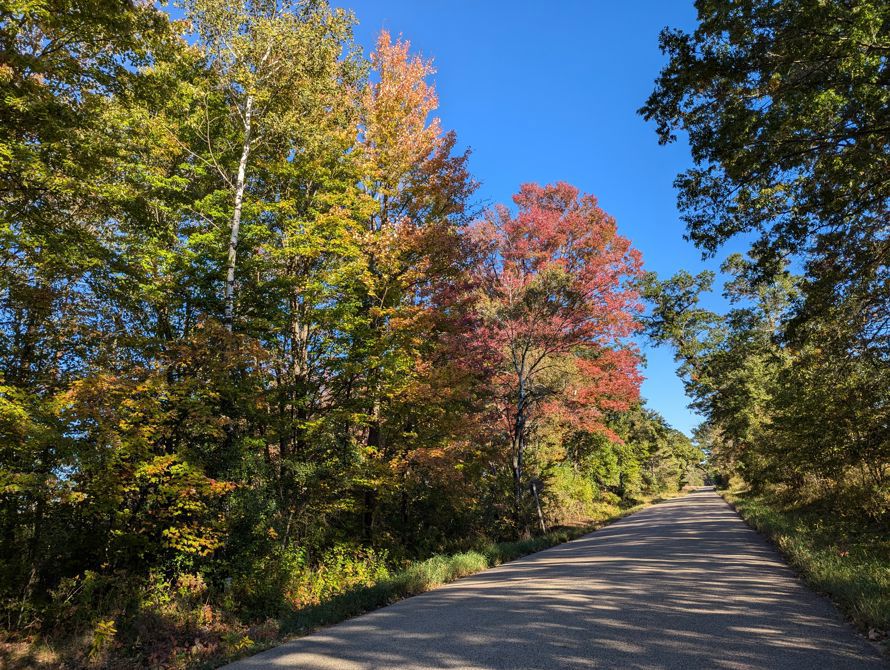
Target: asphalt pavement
682	584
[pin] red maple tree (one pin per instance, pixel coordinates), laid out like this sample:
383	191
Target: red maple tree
556	303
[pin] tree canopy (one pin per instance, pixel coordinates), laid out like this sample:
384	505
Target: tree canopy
786	107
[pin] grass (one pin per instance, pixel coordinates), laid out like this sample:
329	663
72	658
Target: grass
846	559
421	577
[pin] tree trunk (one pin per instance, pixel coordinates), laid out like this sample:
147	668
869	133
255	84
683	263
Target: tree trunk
376	445
517	486
538	505
236	218
368	508
518	449
300	363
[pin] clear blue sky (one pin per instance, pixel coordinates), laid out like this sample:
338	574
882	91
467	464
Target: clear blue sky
547	91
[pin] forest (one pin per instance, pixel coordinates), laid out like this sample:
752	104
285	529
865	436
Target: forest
261	346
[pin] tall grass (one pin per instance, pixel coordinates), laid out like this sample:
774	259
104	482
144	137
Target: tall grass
423	576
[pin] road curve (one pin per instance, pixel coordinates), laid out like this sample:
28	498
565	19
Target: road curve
682	584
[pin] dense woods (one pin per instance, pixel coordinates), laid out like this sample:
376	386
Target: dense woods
259	346
787	110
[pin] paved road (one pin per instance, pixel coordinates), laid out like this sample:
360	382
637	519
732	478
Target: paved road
683	584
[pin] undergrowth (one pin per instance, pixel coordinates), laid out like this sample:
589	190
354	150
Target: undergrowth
424	576
179	625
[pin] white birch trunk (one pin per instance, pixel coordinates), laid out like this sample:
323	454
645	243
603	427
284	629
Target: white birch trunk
236	218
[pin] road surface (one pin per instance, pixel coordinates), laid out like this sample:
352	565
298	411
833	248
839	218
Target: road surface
682	584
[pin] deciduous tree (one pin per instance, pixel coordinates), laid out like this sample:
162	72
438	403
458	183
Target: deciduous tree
556	304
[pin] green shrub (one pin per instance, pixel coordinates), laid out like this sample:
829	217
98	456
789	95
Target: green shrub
420	577
340	569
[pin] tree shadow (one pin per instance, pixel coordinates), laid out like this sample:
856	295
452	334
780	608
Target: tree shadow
683	584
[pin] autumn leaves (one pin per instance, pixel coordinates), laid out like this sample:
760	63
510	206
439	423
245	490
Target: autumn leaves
556	304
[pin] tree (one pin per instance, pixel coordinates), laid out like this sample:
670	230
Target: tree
61	63
787	111
785	107
248	358
556	301
415	188
274	61
731	364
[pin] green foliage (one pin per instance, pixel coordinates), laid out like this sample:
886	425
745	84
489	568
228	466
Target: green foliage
287	580
786	109
424	575
778	412
809	84
597	475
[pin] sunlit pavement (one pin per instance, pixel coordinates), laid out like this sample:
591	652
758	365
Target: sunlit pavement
683	584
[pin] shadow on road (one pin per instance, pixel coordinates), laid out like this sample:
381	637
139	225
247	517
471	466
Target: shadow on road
683	584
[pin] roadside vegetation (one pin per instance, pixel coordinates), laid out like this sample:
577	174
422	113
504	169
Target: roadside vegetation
265	361
787	108
843	556
340	586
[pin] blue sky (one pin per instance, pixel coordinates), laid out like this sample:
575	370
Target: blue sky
549	91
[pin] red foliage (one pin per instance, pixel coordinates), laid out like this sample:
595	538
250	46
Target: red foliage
557	302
